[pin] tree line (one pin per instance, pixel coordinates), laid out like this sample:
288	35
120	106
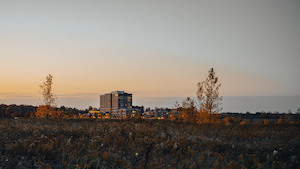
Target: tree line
13	110
29	111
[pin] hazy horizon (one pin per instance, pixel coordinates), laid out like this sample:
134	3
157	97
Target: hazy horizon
153	49
239	104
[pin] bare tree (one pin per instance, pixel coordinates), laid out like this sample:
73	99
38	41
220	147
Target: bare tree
208	97
47	107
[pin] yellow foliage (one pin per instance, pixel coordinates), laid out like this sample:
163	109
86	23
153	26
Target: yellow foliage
46	111
280	121
31	115
75	116
266	121
81	116
41	112
243	122
229	120
172	117
204	117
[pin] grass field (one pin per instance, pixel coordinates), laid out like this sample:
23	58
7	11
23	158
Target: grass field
130	143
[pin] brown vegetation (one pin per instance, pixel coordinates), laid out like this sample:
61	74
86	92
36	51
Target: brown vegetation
91	143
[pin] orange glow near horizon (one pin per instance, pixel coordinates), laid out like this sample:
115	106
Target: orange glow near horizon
170	83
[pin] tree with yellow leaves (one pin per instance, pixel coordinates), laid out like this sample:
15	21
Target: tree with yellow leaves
47	108
209	100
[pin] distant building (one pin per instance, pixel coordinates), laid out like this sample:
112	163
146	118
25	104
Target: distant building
158	113
137	110
163	113
105	103
149	114
93	112
117	103
121	113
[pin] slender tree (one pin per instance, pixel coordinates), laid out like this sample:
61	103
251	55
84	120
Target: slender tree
208	97
47	107
49	99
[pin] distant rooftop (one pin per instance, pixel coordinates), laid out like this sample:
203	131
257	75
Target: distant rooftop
117	92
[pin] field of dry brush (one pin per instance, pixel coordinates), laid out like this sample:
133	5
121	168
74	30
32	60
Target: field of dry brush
94	143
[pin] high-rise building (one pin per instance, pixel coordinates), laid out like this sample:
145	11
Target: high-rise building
105	103
116	103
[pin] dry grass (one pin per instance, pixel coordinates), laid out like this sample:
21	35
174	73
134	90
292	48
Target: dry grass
92	143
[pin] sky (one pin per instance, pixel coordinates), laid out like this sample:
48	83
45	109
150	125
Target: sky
156	50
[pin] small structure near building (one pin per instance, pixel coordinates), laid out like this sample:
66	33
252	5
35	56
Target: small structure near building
162	113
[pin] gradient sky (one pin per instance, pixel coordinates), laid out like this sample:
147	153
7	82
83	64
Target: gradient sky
153	49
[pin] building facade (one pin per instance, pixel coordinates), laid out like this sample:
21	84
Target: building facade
137	110
105	103
116	103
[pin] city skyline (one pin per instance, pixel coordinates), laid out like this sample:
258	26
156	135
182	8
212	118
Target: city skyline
156	50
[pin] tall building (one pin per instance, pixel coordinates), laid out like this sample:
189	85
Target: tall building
105	103
116	103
